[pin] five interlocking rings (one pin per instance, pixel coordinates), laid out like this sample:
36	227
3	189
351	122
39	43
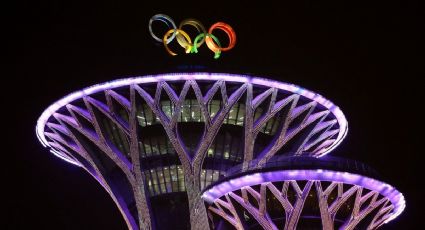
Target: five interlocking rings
184	39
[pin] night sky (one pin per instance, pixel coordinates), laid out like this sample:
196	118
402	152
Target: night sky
363	56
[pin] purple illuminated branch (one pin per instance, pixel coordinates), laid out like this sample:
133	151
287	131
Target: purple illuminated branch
61	156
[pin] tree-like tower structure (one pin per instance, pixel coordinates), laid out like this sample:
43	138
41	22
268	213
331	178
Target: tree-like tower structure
208	151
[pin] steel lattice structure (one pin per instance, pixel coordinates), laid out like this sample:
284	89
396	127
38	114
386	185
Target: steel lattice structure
329	192
151	139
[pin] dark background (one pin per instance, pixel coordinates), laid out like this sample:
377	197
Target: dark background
364	56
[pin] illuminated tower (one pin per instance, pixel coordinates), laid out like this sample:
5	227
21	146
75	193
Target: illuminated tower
217	151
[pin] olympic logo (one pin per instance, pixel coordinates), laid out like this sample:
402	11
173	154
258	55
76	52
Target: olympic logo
184	40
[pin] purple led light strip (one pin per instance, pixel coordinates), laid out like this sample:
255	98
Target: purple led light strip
343	125
396	198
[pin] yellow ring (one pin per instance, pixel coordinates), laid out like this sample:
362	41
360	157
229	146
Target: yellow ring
178	31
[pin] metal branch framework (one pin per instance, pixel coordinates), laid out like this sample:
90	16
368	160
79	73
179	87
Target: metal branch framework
99	129
364	204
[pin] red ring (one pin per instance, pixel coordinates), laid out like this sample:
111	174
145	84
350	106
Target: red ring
230	33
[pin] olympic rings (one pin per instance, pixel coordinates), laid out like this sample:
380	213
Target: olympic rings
184	39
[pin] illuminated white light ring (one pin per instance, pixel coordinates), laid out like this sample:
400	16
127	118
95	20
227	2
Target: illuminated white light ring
343	124
396	198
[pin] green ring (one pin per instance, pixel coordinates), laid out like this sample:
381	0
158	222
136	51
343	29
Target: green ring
202	35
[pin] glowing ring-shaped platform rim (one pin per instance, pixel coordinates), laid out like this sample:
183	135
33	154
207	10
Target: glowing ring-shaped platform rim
343	125
396	198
